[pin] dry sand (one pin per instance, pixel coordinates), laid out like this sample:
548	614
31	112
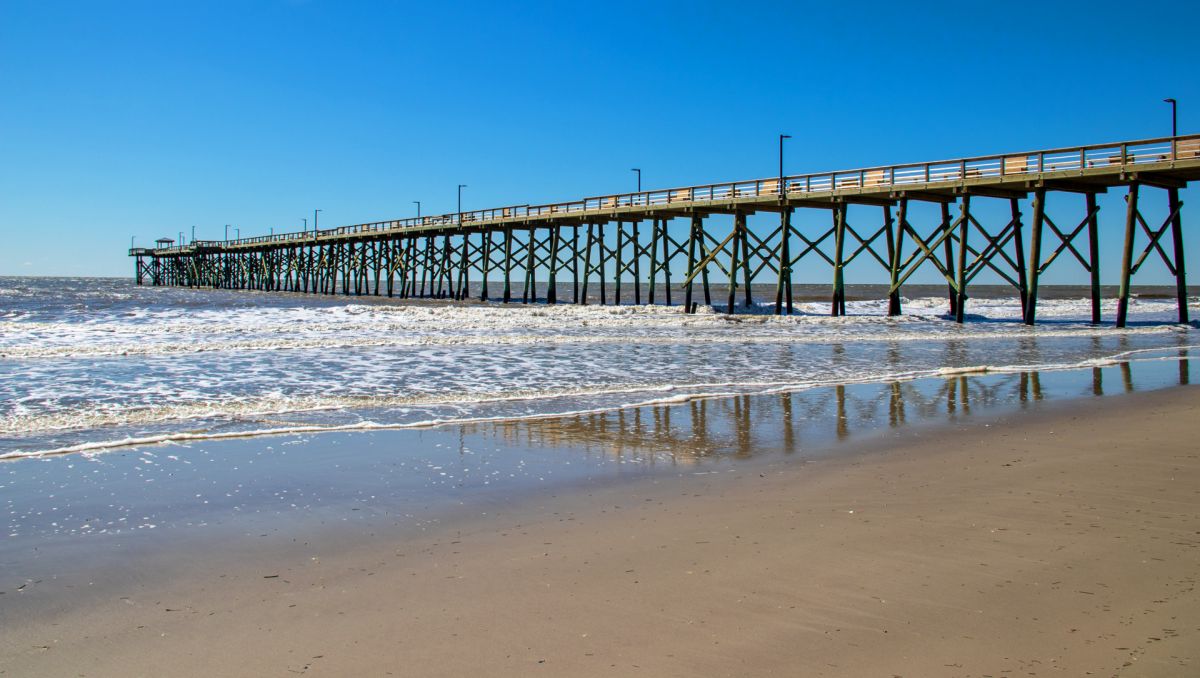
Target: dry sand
1058	543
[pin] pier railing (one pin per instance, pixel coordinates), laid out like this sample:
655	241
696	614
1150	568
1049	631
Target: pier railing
989	168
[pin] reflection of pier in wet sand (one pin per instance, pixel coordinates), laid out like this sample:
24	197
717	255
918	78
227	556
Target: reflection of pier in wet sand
745	426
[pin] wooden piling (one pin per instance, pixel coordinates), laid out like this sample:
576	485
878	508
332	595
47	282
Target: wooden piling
896	248
744	235
653	261
839	239
734	242
637	265
552	283
1180	268
964	229
1014	207
1093	255
619	261
691	267
1035	254
949	255
1131	212
587	264
508	242
666	262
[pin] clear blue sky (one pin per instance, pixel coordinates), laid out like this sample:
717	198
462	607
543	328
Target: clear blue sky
145	118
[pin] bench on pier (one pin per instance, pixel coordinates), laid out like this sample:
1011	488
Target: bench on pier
768	187
681	195
1016	165
875	178
1187	149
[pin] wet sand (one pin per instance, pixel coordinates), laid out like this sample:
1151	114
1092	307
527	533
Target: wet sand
1056	541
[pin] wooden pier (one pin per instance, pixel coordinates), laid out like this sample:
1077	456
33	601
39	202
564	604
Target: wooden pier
566	244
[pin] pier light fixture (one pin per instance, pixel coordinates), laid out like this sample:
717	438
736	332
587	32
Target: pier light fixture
1174	107
639	179
132	241
460	188
237	233
781	138
418	204
226	232
305	220
193	233
315	212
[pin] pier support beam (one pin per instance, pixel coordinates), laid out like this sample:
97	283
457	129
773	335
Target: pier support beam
485	263
735	241
1094	255
552	282
1180	269
587	264
964	229
1131	210
654	234
895	244
693	237
746	274
949	252
508	243
1035	254
783	288
1014	208
464	268
839	244
637	264
575	296
620	263
529	291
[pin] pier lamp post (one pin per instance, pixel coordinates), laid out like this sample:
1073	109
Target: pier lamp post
132	241
418	204
305	220
180	241
781	138
1174	106
193	234
460	188
315	220
237	233
226	232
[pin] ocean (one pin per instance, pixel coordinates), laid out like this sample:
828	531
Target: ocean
91	365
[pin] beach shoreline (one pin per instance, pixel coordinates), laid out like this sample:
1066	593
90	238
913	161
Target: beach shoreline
1058	539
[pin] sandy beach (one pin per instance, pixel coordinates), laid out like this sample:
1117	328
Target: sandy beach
1057	542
